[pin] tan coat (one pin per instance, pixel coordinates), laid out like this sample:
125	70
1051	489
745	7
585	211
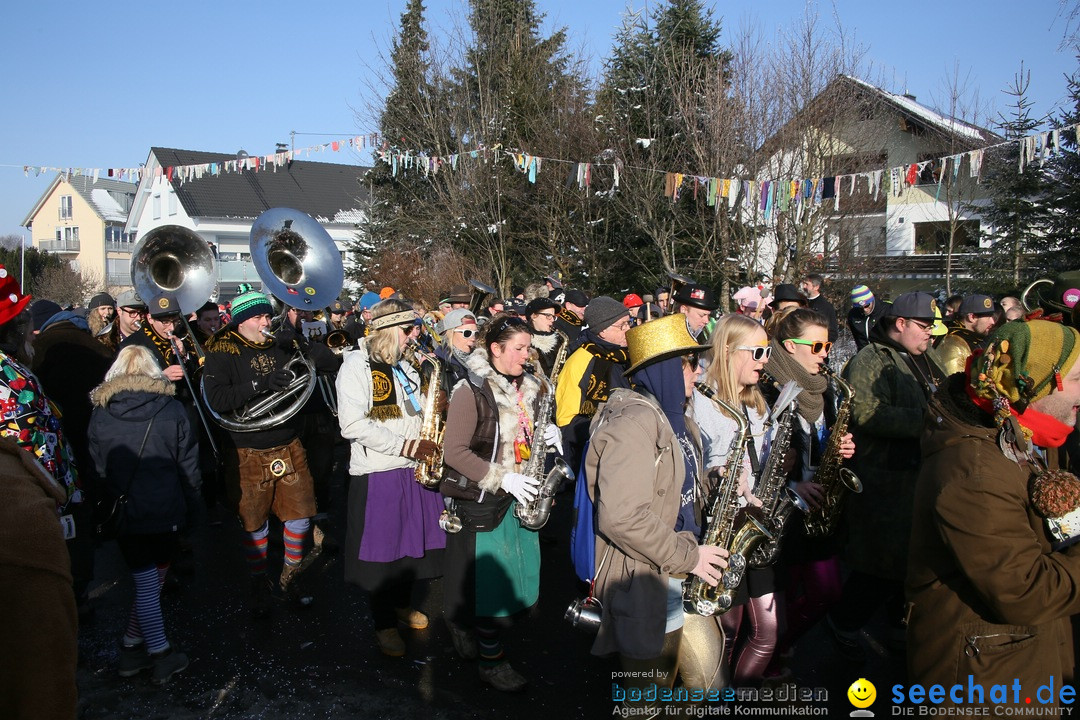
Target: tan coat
635	473
989	597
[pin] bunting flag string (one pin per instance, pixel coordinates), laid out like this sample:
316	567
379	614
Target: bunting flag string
184	173
765	198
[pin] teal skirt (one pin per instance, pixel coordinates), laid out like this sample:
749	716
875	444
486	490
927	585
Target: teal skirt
507	568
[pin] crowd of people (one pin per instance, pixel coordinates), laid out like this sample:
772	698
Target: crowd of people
737	484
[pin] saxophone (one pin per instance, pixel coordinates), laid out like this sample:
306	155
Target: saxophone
534	515
429	474
834	478
777	499
722	516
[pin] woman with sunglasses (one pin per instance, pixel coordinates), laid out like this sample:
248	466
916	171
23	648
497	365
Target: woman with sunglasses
493	564
800	348
459	333
546	342
738	352
393	537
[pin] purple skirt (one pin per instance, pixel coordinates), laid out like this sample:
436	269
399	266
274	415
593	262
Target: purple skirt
401	518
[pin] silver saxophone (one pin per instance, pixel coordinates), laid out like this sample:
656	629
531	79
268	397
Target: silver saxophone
777	499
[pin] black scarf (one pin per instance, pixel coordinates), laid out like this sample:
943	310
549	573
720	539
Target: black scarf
570	318
384	404
596	386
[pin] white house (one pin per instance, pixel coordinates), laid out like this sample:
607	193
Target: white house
221	206
854	132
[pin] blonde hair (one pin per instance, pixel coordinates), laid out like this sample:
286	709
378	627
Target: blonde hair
732	331
135	360
383	345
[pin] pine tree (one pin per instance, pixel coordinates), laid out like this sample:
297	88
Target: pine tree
518	93
1065	185
1017	219
395	223
664	105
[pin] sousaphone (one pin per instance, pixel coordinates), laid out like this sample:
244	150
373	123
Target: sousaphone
298	263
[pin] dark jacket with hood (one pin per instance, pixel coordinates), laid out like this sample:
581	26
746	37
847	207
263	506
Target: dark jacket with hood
162	485
862	324
70	363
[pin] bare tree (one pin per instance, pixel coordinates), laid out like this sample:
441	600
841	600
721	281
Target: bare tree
811	110
956	190
65	286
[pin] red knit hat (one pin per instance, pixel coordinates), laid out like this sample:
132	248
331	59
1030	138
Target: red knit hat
632	300
12	301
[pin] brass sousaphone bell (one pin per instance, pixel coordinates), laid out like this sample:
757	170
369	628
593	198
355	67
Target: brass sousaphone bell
298	263
480	293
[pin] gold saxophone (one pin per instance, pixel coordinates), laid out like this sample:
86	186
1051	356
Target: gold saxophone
777	499
430	473
835	479
534	515
722	516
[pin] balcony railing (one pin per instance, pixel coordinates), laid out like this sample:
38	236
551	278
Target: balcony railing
116	246
118	279
901	265
60	245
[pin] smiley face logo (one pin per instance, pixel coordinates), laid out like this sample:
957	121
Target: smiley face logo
862	693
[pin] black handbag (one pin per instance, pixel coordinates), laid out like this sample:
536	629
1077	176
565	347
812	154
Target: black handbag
110	514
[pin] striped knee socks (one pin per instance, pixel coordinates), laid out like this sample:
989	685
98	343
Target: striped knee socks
294	534
148	608
134	636
255	549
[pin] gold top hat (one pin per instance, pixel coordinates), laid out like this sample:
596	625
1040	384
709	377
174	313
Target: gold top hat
660	339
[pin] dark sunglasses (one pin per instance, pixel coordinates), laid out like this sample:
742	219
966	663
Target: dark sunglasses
507	322
758	352
816	346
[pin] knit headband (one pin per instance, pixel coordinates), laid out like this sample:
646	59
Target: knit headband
402	317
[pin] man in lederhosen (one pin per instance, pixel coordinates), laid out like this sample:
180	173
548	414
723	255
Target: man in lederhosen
267	472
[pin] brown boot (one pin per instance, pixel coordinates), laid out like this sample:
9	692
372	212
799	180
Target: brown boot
390	642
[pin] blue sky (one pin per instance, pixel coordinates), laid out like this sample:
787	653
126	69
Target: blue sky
98	84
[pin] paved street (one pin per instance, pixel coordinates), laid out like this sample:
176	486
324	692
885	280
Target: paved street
322	662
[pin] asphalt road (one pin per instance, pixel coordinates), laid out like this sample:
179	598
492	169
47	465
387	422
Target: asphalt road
322	661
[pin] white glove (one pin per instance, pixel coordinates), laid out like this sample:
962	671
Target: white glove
523	487
553	437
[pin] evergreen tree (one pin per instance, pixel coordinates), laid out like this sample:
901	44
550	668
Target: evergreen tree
1065	185
1017	219
395	222
665	107
517	94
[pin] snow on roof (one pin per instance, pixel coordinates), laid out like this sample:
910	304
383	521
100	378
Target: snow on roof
107	206
349	216
919	110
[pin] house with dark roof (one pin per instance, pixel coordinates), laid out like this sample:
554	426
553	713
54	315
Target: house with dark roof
83	218
219	196
901	178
